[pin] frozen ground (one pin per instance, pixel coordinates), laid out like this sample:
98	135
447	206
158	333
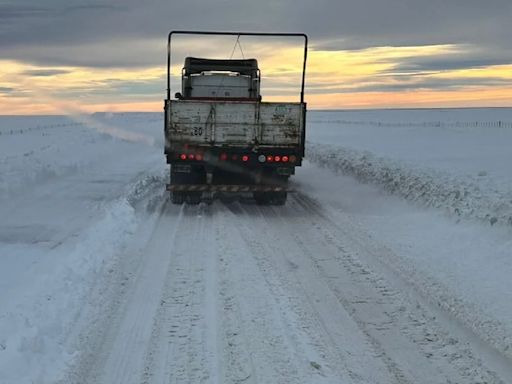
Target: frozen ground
457	160
69	187
104	281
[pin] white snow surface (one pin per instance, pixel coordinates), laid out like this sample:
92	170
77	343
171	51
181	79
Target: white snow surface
455	159
361	278
68	190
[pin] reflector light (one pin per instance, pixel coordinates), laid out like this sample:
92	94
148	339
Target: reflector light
234	157
277	158
270	158
223	156
292	159
199	157
245	158
191	156
285	159
262	158
183	156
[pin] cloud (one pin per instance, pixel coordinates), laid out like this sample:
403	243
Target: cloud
6	90
96	7
407	85
470	58
113	54
45	72
16	12
116	89
331	24
110	51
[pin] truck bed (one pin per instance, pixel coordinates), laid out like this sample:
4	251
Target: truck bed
235	123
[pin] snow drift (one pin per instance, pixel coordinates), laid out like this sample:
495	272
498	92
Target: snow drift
457	195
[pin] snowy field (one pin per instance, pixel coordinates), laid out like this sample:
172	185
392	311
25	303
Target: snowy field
391	262
456	159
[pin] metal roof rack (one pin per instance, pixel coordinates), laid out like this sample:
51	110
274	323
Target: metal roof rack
236	34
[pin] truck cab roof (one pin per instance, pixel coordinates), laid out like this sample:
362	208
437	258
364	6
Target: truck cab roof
195	65
220	79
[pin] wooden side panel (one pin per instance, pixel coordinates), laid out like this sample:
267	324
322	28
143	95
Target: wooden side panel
235	123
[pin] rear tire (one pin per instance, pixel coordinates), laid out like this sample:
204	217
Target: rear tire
177	197
193	198
274	198
261	198
196	176
279	198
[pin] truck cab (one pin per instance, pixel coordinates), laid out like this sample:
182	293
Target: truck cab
220	79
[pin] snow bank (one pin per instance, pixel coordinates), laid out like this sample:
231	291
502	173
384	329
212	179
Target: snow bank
71	197
457	195
457	160
38	318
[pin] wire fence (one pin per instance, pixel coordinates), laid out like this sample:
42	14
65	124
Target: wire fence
19	131
425	124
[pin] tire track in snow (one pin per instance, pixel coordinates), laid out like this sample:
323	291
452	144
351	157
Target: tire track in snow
396	329
239	293
272	354
184	344
237	360
319	328
409	315
130	328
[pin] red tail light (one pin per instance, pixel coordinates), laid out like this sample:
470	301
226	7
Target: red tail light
223	156
277	158
285	159
270	158
199	157
183	156
245	158
191	156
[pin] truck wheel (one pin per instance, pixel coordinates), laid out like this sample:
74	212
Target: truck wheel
262	198
279	198
177	197
193	198
177	179
196	176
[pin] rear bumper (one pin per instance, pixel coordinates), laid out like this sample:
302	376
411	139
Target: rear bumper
225	188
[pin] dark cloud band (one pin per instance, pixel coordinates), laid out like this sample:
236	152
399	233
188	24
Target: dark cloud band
332	24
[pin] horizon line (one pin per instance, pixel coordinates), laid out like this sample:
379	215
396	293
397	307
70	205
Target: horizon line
309	110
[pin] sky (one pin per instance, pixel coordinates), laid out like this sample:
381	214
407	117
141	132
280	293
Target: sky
64	56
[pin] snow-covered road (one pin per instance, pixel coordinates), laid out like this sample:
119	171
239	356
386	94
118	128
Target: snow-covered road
105	281
235	292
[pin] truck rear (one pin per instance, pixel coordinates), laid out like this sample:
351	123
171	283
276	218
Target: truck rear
222	137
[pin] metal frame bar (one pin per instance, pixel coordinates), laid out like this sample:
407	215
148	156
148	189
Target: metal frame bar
236	34
232	188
